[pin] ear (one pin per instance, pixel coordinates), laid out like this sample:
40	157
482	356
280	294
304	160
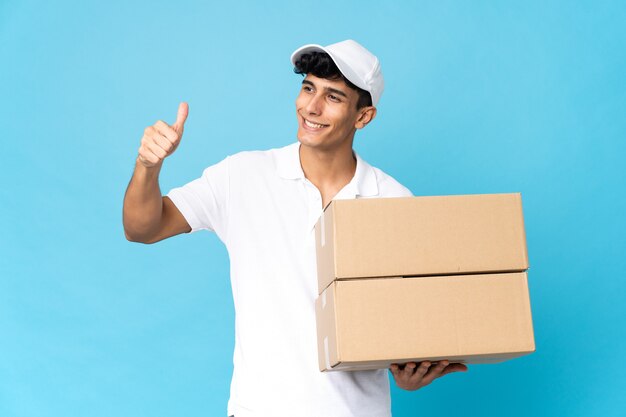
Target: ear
366	115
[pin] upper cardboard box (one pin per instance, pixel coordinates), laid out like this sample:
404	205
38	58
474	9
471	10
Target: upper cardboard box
415	236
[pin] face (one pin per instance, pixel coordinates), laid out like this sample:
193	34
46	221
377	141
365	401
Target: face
327	113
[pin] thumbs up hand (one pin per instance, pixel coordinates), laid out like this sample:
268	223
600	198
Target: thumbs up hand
161	140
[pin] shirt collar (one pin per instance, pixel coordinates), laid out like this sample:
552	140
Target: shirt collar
365	178
363	184
288	162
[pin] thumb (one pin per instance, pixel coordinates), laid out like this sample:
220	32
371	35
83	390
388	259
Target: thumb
183	111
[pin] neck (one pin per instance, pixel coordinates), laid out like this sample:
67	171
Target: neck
328	169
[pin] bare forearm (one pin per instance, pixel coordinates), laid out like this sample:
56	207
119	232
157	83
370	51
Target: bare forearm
143	204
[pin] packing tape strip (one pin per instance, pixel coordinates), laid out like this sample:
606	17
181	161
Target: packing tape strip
326	352
322	231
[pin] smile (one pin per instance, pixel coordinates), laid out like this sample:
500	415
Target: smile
313	125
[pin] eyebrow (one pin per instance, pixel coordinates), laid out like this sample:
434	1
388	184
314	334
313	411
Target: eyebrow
327	89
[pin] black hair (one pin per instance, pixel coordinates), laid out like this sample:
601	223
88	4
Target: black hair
321	65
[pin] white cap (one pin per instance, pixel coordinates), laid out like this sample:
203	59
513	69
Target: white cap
356	63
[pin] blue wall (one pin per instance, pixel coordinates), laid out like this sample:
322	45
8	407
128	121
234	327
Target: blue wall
481	97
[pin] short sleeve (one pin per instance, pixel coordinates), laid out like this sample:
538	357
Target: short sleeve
204	202
390	187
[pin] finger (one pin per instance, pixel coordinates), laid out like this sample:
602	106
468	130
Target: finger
156	149
147	158
164	144
395	371
454	367
183	112
409	369
149	132
420	371
166	131
435	372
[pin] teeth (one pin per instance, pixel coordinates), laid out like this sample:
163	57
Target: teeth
313	125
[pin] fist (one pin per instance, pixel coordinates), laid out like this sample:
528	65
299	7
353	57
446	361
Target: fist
161	140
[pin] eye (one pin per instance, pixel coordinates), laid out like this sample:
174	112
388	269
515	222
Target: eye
334	98
307	88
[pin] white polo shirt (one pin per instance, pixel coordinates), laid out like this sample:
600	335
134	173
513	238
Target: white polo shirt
264	210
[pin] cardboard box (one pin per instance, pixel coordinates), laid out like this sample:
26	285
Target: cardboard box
372	323
420	236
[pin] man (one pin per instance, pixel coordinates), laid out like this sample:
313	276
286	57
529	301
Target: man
263	206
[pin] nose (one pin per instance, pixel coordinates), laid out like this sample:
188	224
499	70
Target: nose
314	106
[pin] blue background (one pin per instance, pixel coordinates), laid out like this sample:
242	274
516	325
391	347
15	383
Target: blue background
481	97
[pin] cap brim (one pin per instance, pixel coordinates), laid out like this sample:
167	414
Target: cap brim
306	49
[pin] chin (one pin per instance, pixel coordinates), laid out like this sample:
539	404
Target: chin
307	138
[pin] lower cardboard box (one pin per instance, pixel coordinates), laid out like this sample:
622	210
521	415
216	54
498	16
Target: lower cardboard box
371	323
